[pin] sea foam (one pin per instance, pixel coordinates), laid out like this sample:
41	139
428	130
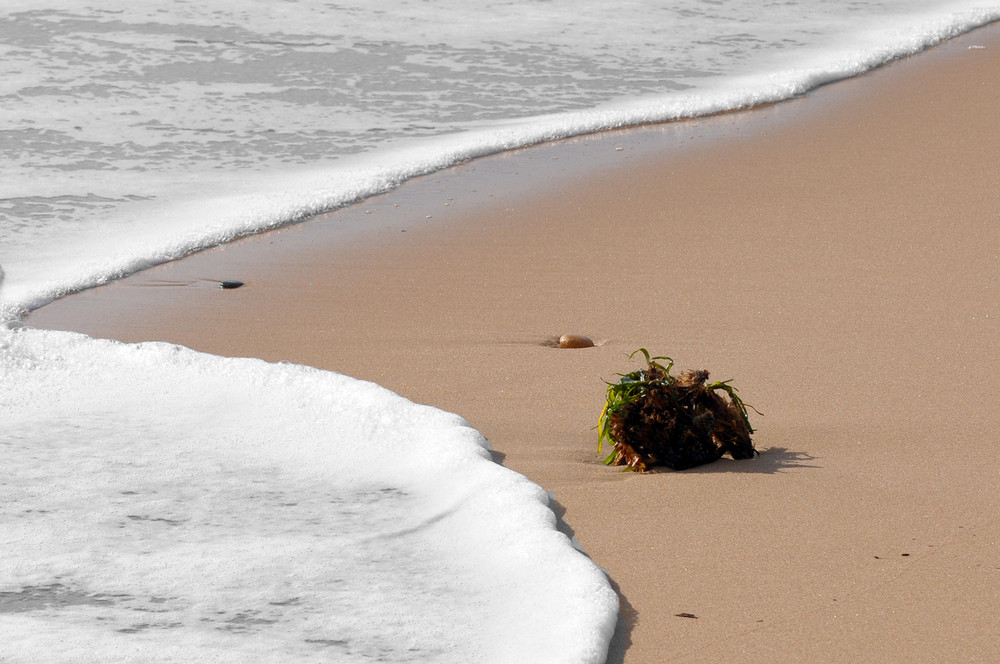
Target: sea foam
231	510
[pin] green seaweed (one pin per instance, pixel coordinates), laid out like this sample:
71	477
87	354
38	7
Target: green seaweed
653	418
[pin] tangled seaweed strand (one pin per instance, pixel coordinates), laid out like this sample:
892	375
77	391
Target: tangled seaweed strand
652	418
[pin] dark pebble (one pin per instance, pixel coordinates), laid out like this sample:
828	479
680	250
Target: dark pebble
231	284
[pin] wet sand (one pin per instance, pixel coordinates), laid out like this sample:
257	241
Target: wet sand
838	256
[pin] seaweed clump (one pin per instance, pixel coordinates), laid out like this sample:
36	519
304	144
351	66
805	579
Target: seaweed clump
653	418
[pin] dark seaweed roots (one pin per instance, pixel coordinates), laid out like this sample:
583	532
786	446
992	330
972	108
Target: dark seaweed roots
652	418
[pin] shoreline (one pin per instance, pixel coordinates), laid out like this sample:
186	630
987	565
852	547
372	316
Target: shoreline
828	253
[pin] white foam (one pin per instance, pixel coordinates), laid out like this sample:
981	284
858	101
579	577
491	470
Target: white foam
167	506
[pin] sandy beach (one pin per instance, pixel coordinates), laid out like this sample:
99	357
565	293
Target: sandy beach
837	256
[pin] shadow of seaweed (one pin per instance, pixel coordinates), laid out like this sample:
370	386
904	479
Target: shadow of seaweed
769	461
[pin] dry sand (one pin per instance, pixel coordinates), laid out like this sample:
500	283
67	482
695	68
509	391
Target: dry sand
838	256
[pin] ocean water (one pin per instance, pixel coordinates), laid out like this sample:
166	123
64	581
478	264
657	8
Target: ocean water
164	505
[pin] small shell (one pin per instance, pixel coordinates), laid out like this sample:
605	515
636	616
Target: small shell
575	341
